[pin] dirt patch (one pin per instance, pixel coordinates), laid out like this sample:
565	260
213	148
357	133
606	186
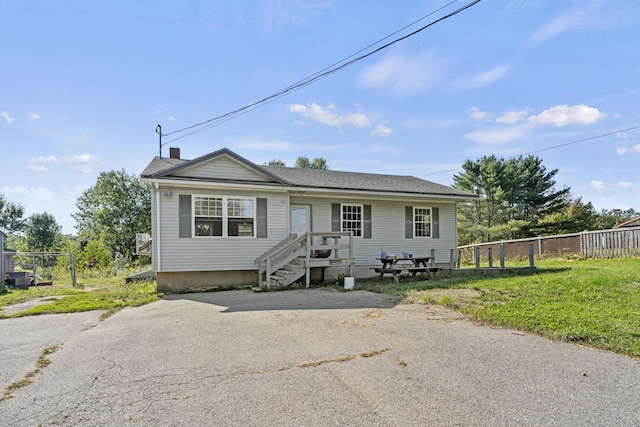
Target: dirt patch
444	305
463	297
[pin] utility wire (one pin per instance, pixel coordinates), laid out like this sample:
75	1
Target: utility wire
553	147
317	76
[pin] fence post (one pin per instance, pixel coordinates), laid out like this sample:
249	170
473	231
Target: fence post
73	269
490	255
540	245
501	256
452	260
531	255
477	256
459	258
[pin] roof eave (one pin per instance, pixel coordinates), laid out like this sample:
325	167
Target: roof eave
219	153
298	190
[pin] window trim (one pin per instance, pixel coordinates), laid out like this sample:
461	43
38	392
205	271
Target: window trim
430	223
225	215
361	220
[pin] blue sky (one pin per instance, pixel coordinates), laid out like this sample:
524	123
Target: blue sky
83	85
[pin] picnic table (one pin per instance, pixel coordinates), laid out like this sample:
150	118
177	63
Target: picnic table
412	265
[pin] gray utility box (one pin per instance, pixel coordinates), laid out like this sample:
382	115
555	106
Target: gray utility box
18	280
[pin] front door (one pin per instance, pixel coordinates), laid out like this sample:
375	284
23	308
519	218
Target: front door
300	219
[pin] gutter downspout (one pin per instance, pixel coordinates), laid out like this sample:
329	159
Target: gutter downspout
156	237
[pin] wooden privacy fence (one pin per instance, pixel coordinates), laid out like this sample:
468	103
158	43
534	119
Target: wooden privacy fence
614	243
618	243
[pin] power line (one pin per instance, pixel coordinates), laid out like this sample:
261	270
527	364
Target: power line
553	147
317	76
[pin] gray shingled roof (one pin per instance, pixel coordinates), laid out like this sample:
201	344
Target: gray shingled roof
360	181
325	179
160	164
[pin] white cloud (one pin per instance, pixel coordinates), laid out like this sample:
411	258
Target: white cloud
81	159
514	125
328	116
586	15
563	115
6	117
278	14
37	169
499	135
624	184
24	195
43	159
82	162
34	116
172	119
160	109
477	114
597	184
558	25
624	150
404	74
481	79
382	131
511	117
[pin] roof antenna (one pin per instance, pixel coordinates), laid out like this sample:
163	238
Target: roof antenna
159	132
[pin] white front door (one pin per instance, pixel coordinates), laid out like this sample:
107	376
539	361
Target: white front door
300	219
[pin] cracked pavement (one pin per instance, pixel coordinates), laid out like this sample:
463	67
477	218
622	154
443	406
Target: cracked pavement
304	358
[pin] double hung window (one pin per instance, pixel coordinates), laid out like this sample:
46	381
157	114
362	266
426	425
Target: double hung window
224	216
352	219
421	222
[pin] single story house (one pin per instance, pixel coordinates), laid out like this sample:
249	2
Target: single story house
631	222
2	261
220	220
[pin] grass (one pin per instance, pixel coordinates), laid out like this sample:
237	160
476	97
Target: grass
594	302
42	362
109	294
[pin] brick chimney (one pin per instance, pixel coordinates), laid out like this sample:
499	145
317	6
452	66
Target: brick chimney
174	153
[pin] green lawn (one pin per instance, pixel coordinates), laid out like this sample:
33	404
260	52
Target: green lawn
591	302
106	294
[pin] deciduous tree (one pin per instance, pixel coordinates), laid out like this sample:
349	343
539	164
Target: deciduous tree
11	214
303	162
116	208
42	233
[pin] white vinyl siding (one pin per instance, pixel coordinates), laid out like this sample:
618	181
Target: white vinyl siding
222	168
388	228
220	253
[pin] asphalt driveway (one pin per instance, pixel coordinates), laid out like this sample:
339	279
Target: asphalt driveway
304	358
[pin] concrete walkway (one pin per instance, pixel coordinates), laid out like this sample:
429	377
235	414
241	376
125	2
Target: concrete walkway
305	358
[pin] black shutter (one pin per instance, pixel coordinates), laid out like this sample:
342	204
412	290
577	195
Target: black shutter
184	215
435	223
261	219
408	222
335	217
366	215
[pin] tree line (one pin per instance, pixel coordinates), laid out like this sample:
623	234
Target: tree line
517	198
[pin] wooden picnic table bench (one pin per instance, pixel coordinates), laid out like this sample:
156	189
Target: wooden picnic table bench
393	265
